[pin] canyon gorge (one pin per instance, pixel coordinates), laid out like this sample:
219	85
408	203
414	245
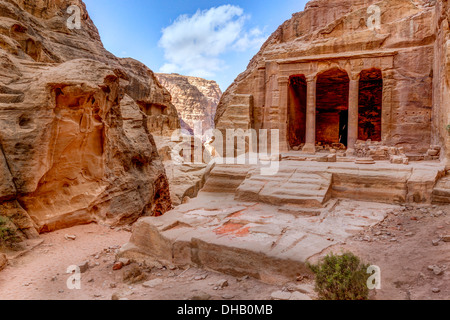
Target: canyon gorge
356	116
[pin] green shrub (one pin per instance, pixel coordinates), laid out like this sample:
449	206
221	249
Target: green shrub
341	277
8	234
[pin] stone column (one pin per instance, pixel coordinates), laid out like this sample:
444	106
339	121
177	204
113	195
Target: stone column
283	87
260	97
310	145
353	114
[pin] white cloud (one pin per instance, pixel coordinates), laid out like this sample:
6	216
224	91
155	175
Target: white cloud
168	68
194	44
253	39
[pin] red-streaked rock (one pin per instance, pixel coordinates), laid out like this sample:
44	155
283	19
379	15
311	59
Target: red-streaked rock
118	266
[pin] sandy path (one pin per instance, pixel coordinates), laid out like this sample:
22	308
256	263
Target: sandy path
41	273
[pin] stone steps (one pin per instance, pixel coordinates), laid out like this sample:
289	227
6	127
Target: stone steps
226	178
238	113
300	210
441	192
238	117
308	189
299	187
242	99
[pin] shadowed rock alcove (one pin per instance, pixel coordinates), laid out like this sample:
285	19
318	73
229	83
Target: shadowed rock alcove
370	102
332	107
297	110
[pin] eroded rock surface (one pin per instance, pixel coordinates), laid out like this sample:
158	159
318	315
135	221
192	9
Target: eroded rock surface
186	177
76	124
195	98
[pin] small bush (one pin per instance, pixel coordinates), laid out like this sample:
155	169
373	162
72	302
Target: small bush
341	277
8	234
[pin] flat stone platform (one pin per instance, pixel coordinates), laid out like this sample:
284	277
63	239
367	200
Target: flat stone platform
230	227
244	238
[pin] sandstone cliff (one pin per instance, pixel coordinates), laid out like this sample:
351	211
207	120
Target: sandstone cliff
76	124
441	79
195	98
410	48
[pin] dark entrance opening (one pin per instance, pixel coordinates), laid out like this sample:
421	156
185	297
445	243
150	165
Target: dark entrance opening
297	111
332	107
370	105
343	127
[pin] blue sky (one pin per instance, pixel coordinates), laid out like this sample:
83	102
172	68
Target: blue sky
210	39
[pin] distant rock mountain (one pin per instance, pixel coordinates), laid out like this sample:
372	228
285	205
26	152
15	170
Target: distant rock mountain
195	99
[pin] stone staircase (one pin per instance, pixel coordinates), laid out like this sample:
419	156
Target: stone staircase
296	189
303	191
238	114
305	187
226	178
441	192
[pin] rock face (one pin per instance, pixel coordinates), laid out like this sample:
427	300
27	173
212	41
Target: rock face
196	99
342	71
186	178
76	124
441	78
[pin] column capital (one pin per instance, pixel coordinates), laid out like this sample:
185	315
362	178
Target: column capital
354	76
283	80
311	78
262	65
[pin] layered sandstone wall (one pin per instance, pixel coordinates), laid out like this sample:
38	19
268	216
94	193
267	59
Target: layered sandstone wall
335	35
76	124
195	98
441	79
